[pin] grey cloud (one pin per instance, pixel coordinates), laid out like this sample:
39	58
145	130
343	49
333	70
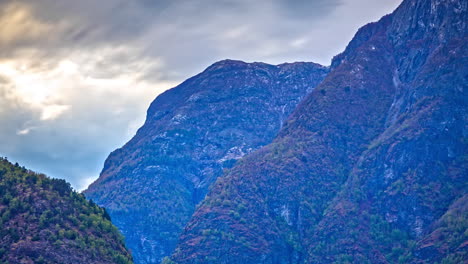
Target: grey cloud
79	24
300	9
72	146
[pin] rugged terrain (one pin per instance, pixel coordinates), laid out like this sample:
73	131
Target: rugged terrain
192	133
44	221
370	168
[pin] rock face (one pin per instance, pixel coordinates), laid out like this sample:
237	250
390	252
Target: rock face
44	221
370	168
192	133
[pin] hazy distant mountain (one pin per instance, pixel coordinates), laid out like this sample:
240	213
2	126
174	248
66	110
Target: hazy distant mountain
192	133
43	220
370	168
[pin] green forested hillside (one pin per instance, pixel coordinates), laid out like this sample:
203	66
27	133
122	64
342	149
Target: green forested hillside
42	220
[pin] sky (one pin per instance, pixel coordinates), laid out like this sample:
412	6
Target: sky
76	77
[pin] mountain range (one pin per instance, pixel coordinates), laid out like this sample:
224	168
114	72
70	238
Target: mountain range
364	161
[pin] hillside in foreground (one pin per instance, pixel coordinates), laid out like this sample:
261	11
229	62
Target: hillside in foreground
42	220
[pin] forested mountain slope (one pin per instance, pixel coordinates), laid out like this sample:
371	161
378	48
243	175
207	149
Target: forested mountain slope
370	168
44	221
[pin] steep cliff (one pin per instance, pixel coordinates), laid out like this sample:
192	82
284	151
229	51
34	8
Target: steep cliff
192	133
370	168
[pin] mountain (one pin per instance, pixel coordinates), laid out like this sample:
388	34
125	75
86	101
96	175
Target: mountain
370	168
44	221
192	133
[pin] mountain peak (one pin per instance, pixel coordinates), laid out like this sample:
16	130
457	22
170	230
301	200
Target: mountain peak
193	133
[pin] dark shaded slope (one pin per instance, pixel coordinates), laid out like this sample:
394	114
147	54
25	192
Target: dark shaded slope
412	172
367	164
44	221
193	132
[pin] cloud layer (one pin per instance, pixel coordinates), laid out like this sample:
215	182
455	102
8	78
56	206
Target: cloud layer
77	76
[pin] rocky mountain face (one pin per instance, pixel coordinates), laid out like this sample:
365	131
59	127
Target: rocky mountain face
370	168
43	220
193	133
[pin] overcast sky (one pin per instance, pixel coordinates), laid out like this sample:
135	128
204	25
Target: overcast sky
76	77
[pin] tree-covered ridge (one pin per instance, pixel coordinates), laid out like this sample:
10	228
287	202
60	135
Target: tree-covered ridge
43	220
